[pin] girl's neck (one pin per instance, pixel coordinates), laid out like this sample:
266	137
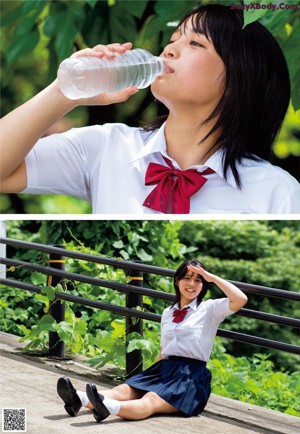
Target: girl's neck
184	140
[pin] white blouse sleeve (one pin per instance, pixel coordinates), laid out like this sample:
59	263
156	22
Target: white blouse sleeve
219	309
62	163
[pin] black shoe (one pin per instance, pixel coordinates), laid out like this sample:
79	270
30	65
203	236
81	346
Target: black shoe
69	395
100	412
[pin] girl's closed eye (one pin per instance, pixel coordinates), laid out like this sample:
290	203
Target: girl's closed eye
196	44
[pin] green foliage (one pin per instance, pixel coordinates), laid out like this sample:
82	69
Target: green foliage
288	140
254	381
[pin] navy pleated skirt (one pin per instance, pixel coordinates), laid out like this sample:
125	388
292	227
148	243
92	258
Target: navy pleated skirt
181	381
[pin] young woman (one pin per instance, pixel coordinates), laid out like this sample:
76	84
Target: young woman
227	91
179	382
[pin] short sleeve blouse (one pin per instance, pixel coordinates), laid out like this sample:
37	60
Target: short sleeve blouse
194	336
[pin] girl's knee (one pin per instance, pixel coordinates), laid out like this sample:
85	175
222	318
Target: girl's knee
157	404
124	392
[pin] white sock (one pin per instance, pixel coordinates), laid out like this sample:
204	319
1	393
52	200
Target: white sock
112	405
83	397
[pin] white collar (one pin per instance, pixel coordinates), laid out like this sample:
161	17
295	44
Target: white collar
192	305
157	144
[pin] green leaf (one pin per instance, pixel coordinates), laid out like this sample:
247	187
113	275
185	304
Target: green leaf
105	340
256	10
23	46
95	29
119	328
291	51
53	24
147	346
276	21
49	291
64	40
124	254
47	320
64	330
122	25
135	8
167	11
80	327
19	12
32	5
118	244
141	253
99	361
91	3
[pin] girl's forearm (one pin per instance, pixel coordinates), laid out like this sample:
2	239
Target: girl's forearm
22	127
237	299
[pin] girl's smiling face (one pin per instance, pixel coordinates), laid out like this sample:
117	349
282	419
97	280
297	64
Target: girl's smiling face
195	73
190	287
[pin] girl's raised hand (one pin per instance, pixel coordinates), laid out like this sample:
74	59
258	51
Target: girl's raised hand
199	270
108	51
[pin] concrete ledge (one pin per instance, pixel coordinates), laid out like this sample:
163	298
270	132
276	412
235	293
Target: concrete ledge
30	382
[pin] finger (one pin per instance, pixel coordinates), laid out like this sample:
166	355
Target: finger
110	98
104	50
121	96
110	49
120	47
195	267
127	45
88	52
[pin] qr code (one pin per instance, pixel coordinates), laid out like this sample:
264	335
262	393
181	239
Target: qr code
14	420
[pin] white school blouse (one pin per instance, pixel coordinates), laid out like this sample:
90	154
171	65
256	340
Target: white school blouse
106	165
194	336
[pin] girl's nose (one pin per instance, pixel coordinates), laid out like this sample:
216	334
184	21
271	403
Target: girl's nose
170	51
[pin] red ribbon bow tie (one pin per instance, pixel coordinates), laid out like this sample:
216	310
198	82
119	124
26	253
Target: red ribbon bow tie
179	314
174	187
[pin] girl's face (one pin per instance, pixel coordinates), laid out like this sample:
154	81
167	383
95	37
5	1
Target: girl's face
195	73
190	287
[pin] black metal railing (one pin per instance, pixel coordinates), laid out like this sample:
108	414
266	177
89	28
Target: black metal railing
134	297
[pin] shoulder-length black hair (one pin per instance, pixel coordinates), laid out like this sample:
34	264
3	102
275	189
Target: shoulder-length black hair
257	88
181	272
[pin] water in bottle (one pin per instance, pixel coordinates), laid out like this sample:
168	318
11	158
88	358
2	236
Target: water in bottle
86	76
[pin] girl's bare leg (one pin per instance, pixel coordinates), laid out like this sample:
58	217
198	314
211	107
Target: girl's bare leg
123	392
145	406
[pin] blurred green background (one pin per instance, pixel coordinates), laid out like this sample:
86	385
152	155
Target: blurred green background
37	35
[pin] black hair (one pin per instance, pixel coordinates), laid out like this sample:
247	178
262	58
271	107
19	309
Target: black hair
257	89
181	272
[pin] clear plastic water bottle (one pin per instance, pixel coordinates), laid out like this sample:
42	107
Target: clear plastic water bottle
86	76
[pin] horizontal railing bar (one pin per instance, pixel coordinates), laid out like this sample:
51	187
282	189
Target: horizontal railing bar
247	287
248	339
125	288
88	279
85	301
119	263
283	320
265	290
240	337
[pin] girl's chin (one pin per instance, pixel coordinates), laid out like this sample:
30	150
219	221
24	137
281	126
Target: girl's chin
190	297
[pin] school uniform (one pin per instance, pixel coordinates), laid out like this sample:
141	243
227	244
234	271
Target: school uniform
107	164
182	378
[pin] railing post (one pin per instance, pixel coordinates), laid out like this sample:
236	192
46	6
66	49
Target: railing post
57	309
134	360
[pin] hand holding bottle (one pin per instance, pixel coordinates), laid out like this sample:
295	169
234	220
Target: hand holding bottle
109	52
106	70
